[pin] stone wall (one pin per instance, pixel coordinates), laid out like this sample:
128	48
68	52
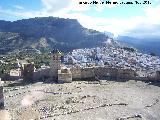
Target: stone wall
41	74
158	75
64	76
28	72
96	72
76	73
126	74
106	72
87	73
100	72
1	98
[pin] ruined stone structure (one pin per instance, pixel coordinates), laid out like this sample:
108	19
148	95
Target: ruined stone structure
57	73
126	74
55	64
111	73
76	73
87	73
28	72
100	72
15	72
158	75
1	97
64	76
42	73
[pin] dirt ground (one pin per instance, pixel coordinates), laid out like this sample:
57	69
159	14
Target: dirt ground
83	100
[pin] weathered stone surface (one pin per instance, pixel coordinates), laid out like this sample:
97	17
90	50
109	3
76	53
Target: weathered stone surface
132	100
1	98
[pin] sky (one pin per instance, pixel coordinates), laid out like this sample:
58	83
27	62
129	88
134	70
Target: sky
138	20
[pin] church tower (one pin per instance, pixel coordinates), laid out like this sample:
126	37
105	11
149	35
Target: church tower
55	63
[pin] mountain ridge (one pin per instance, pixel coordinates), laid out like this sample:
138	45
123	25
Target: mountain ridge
55	32
146	44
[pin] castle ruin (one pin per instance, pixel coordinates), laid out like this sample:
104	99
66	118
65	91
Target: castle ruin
64	75
28	72
1	97
55	64
57	72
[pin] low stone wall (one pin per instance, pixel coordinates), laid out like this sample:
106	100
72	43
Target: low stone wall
93	73
87	73
76	73
126	74
41	73
158	75
1	98
106	72
64	76
28	72
100	72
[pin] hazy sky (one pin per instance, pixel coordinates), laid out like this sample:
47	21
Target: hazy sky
134	20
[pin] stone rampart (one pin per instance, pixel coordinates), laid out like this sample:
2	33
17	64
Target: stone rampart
1	98
100	72
76	73
87	73
42	74
64	76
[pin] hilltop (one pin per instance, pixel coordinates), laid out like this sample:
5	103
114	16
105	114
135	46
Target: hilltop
46	33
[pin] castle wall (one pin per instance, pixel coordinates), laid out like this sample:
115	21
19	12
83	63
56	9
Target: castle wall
28	72
106	72
87	73
64	76
158	75
76	73
1	98
100	72
126	74
42	73
95	72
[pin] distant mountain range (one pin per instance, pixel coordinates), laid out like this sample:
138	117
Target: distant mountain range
46	33
146	45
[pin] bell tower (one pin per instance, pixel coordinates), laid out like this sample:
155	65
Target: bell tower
55	63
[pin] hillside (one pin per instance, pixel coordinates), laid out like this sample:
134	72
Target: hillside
46	33
146	45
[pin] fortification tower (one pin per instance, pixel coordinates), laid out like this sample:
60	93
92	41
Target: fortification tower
1	97
28	72
55	63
